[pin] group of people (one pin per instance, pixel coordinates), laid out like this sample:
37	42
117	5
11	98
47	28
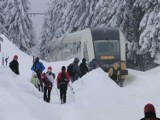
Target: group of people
44	81
39	78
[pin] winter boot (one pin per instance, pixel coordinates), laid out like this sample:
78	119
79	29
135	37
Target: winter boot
62	101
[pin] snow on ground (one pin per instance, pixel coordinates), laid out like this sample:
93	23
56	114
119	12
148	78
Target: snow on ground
96	96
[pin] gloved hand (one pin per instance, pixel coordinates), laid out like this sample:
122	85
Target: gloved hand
57	87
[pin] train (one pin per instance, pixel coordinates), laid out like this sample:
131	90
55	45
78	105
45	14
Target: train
104	45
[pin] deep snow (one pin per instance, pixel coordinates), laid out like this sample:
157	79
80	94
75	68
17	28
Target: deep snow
96	96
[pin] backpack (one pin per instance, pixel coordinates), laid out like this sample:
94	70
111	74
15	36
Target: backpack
70	70
63	79
114	75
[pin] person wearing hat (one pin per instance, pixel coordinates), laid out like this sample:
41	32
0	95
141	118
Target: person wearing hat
76	71
48	80
83	67
114	72
149	112
14	65
35	80
62	83
38	67
93	65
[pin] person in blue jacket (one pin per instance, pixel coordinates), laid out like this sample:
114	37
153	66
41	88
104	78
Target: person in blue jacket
38	67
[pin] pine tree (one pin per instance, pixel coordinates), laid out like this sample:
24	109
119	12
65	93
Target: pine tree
19	25
149	40
44	38
138	19
2	18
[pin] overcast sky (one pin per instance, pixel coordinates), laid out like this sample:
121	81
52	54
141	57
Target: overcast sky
38	6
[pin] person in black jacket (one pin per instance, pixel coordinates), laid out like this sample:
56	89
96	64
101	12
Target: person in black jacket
14	65
76	71
149	112
83	67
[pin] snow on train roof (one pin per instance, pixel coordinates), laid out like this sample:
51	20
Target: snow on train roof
76	36
105	33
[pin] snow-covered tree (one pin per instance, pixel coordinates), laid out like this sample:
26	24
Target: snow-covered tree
2	17
19	24
53	25
138	19
44	39
149	40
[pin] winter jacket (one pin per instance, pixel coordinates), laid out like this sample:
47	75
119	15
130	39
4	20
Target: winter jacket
83	68
92	65
59	78
35	81
114	72
76	70
38	66
14	65
48	79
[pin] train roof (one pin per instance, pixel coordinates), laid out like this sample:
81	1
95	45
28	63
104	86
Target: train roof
99	33
105	33
70	37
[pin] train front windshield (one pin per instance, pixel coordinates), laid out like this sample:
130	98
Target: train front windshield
107	50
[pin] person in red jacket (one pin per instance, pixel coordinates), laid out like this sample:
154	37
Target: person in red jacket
48	80
62	83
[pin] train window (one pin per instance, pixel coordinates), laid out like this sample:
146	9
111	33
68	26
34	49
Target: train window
107	49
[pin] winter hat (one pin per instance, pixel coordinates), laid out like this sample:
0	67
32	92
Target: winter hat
49	69
15	57
115	65
63	68
37	59
76	60
149	108
84	60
